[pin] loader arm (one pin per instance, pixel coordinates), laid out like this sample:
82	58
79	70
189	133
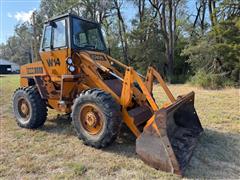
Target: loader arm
171	133
149	83
87	68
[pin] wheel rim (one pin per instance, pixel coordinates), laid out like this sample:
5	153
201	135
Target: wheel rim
23	109
91	119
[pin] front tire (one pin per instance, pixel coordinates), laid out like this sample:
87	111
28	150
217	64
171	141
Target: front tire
29	108
96	118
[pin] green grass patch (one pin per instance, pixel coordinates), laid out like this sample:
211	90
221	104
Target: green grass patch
78	168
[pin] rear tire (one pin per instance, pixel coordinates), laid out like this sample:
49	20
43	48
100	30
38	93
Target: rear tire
96	118
29	108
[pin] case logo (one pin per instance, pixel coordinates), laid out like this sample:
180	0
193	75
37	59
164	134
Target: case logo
97	57
35	70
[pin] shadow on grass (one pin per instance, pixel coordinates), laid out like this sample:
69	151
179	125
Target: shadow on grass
216	155
124	144
61	124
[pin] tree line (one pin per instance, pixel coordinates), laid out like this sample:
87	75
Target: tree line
197	43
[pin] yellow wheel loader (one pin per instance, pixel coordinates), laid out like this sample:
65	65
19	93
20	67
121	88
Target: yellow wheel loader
76	75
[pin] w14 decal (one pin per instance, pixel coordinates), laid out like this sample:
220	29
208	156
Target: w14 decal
53	62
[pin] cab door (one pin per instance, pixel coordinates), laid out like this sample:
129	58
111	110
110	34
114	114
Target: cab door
54	48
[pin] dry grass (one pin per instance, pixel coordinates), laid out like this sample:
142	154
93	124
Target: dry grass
54	152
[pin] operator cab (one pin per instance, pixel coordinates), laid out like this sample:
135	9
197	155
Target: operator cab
71	31
65	35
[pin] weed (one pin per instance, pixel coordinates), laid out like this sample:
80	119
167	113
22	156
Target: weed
78	168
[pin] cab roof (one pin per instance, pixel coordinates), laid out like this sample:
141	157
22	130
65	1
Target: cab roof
69	14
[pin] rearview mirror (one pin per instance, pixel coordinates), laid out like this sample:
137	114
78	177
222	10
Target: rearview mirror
53	24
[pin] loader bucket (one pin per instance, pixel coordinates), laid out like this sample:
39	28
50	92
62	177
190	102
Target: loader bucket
169	137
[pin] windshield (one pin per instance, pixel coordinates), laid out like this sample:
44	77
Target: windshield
87	35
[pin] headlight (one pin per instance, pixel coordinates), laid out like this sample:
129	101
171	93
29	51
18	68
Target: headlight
69	61
71	68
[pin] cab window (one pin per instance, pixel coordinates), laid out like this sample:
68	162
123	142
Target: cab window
59	34
87	35
47	37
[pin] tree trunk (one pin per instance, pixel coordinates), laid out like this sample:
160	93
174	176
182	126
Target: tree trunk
212	11
168	28
197	16
171	40
122	33
122	43
203	16
141	11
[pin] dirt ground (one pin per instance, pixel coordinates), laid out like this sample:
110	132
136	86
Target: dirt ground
54	151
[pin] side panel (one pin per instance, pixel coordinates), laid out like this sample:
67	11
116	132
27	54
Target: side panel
46	88
29	71
33	69
55	63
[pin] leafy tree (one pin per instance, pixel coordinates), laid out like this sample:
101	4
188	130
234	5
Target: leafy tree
218	54
162	34
17	47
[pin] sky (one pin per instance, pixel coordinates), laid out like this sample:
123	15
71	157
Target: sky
13	12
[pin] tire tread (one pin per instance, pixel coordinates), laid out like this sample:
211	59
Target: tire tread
111	111
39	107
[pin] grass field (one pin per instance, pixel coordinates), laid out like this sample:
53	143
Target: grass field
54	151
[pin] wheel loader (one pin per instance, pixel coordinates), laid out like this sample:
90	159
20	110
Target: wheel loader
76	74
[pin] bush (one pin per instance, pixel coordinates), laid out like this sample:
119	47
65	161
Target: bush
210	80
217	52
179	79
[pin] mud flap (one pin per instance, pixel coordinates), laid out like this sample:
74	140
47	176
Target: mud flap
169	137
